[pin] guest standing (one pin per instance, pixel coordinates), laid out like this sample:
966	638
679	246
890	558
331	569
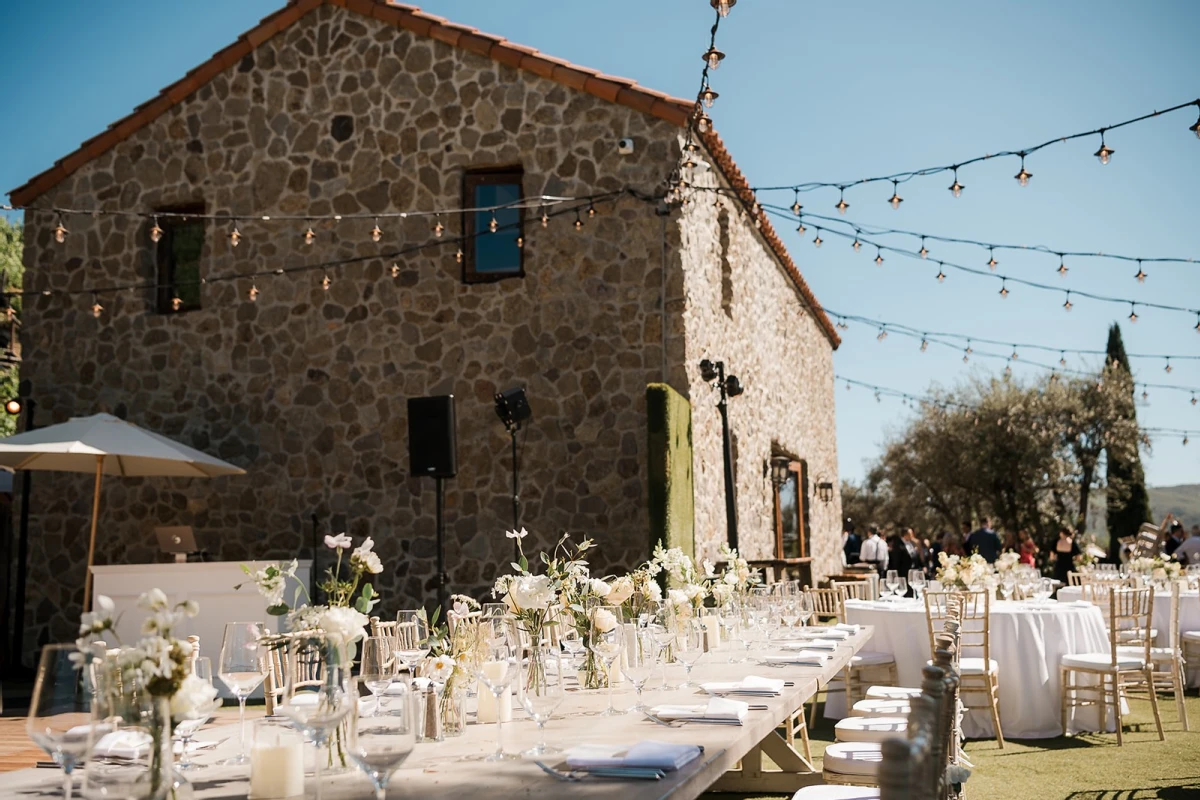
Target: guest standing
1026	548
851	544
874	551
1065	550
985	541
1189	551
898	556
916	549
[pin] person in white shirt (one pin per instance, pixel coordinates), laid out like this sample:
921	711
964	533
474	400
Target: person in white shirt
874	551
1189	551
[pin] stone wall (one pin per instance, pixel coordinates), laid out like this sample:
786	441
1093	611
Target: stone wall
306	388
736	304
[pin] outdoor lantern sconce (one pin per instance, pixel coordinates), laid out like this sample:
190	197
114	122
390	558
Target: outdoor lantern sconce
713	373
825	491
781	468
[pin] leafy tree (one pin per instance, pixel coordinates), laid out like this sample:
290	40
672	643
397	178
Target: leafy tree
12	272
1126	496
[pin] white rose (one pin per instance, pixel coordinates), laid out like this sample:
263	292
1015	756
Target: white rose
194	698
731	578
620	590
532	591
339	542
343	625
695	592
677	597
654	591
949	575
599	587
603	620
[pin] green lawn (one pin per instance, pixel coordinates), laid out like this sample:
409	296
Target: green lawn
1087	767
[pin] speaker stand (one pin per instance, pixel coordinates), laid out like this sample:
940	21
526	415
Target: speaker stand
443	579
516	484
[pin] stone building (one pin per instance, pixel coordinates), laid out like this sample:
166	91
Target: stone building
295	360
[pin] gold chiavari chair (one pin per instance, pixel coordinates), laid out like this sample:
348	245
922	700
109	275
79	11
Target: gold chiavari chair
1074	578
825	603
309	670
867	666
1169	673
979	673
1126	664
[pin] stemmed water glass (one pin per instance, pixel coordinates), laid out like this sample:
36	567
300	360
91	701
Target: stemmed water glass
688	647
606	635
804	607
316	696
495	665
901	588
731	624
540	690
663	627
916	579
60	711
412	637
186	728
243	667
376	668
641	658
891	580
378	744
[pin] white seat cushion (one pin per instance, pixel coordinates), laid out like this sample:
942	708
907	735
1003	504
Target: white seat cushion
869	729
892	693
853	758
1102	661
1156	653
1125	636
973	666
880	708
1191	636
870	658
829	791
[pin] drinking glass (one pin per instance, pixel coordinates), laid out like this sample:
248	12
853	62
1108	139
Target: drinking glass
606	635
540	691
316	694
186	728
60	711
891	580
493	610
378	744
641	658
1045	588
916	579
495	666
804	607
376	667
731	624
901	588
688	647
572	643
243	667
412	636
663	626
1006	587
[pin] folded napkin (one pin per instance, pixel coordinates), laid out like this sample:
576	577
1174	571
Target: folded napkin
842	626
826	633
822	644
719	711
752	685
644	755
807	647
800	658
127	744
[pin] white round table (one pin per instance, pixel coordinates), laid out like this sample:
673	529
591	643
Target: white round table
1189	618
1027	640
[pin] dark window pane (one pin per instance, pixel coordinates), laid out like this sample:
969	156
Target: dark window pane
187	243
789	517
497	253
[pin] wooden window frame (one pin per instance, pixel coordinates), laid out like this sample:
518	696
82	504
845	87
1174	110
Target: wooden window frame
164	255
472	180
800	468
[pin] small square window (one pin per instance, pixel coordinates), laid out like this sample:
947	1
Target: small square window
179	255
492	255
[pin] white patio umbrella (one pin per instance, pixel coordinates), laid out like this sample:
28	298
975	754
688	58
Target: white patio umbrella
104	445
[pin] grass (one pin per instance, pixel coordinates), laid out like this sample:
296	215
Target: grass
1084	767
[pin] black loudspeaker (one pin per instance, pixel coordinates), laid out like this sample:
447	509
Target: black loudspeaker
432	451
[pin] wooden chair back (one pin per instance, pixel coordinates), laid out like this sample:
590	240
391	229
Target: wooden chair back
972	613
1074	578
826	603
1130	619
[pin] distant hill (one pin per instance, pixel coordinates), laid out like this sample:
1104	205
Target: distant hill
1182	501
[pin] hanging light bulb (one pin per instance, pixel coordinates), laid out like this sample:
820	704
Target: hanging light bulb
60	231
801	229
992	262
1198	322
395	270
713	56
923	252
841	324
796	205
703	123
895	200
1067	304
578	222
1023	176
1105	152
1145	396
520	242
1062	358
1141	273
723	7
176	303
1014	355
310	235
878	398
438	227
1063	269
1195	127
1193	399
458	255
235	236
545	218
966	356
1007	372
1133	317
1185	440
878	257
493	223
882	335
253	293
956	187
924	345
708	96
592	209
1003	289
856	244
818	240
326	282
842	205
1168	368
156	233
941	276
376	233
97	309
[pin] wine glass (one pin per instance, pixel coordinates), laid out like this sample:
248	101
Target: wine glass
242	668
1006	587
688	647
375	668
412	636
891	580
540	691
60	711
495	665
804	607
186	728
606	635
572	643
641	658
731	624
493	610
901	587
316	697
663	627
916	579
378	744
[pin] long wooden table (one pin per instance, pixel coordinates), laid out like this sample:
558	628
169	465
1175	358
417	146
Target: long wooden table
453	769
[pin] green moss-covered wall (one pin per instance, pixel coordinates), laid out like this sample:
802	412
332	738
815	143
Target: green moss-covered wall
669	455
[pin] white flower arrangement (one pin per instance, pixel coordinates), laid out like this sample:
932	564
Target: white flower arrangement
1007	561
962	572
1155	567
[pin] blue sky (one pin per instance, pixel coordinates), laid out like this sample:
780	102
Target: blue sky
821	92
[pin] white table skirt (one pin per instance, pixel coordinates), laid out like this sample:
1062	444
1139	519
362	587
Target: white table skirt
1027	641
1189	618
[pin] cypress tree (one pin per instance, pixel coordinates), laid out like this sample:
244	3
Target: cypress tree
1129	504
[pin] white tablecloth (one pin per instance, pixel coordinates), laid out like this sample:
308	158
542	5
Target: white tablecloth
1027	641
1189	618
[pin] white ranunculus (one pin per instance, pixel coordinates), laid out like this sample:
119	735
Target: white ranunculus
532	591
603	620
343	624
695	592
194	699
620	590
152	600
730	578
677	597
339	542
521	534
949	575
654	591
366	561
440	668
599	588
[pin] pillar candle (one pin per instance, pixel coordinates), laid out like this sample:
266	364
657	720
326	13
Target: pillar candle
486	711
276	765
712	631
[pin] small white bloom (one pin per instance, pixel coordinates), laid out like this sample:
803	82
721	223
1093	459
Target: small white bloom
603	620
677	597
440	668
521	534
195	698
654	591
532	591
153	600
339	542
619	590
599	588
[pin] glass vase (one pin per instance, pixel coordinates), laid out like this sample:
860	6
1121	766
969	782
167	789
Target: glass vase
454	709
131	753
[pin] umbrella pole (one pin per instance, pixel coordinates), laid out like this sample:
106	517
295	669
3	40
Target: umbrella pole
87	584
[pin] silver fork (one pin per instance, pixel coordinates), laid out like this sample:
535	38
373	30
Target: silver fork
669	723
571	777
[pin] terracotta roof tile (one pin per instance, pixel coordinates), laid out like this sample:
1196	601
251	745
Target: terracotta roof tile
411	18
